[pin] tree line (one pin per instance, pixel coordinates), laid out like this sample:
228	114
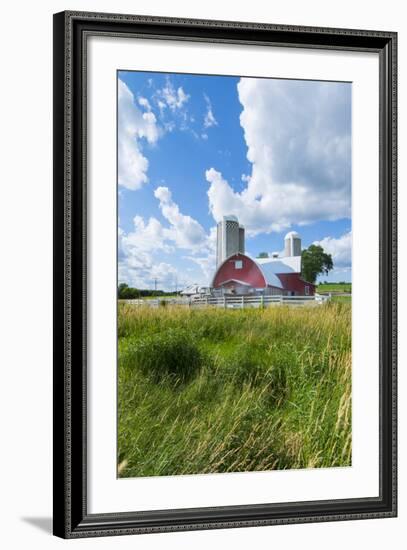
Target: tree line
125	292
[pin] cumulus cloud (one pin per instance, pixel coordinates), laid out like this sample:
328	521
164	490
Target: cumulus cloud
184	231
134	127
144	272
141	250
146	237
340	249
209	119
298	137
207	260
254	214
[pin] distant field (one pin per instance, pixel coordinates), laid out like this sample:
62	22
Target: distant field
158	297
335	287
210	390
342	299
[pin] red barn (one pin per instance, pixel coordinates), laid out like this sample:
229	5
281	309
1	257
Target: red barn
237	273
240	274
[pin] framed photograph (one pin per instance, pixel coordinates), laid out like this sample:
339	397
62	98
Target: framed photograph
224	274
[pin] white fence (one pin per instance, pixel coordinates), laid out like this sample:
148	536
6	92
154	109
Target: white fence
240	302
235	302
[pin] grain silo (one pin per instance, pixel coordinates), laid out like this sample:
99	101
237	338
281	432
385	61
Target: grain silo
228	238
241	239
292	244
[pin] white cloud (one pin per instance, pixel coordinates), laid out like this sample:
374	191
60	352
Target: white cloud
161	105
254	214
207	260
146	237
143	101
139	255
184	230
147	272
209	119
299	146
141	250
133	127
172	104
170	97
340	249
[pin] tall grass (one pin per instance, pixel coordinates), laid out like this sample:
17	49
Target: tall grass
219	391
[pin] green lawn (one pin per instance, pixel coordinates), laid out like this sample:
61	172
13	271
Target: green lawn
213	390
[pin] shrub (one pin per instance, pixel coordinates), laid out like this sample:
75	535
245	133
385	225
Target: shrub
171	355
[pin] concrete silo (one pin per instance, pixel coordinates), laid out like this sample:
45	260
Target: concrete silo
292	244
230	238
241	239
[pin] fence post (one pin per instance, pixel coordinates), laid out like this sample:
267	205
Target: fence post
262	301
224	301
242	301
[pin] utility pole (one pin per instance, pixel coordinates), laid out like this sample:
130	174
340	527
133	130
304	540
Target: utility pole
155	284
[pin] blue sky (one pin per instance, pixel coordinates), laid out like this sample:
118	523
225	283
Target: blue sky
192	148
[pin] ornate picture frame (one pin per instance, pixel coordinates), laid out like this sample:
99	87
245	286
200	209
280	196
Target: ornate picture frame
72	31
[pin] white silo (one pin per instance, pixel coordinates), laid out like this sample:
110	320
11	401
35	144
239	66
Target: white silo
229	238
241	239
292	244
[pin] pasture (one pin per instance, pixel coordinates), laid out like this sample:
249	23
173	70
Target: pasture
335	287
213	390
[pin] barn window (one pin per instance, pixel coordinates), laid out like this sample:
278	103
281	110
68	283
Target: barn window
307	291
238	264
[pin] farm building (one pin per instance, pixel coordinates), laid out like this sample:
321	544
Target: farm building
237	273
194	290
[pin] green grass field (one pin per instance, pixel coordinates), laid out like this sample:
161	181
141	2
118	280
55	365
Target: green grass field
211	390
335	287
342	299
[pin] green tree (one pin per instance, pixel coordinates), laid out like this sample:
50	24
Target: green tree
315	261
127	293
122	290
263	255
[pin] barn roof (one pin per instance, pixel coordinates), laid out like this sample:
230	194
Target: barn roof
285	264
270	276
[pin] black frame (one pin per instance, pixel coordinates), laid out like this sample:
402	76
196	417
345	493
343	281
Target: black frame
71	30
